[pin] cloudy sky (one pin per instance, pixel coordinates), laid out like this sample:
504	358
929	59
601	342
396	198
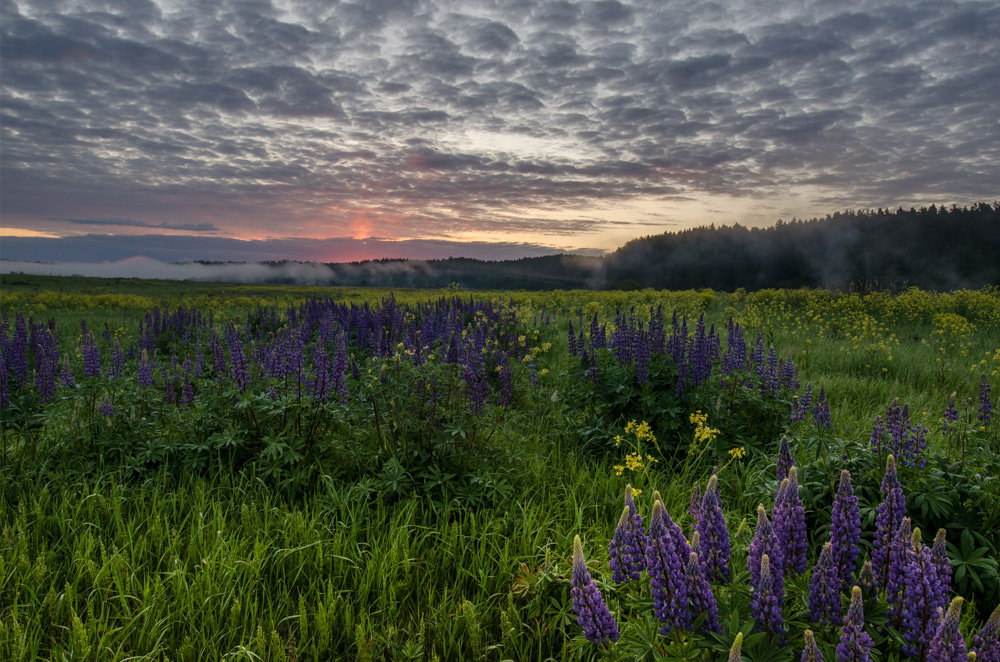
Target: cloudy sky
232	129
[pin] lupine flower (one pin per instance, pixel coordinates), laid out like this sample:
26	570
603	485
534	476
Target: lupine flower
765	543
950	415
765	604
845	528
91	356
948	644
790	525
855	644
942	565
106	409
922	599
985	404
824	589
711	526
144	374
665	566
900	551
986	643
889	514
701	600
736	650
66	374
694	507
785	460
821	410
625	551
4	385
588	603
811	652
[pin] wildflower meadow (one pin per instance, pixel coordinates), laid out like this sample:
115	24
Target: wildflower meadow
194	471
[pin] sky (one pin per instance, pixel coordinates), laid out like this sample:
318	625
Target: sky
336	131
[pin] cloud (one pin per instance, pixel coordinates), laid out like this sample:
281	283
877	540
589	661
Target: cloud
313	118
125	222
100	248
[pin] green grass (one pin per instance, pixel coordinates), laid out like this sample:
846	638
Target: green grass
223	565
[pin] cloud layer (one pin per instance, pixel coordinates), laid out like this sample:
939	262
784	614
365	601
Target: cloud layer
521	119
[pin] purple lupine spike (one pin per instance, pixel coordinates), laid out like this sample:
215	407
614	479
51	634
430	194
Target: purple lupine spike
845	528
824	589
811	652
626	549
711	527
144	371
765	603
666	572
855	644
106	409
91	356
948	644
785	460
950	415
571	340
985	404
889	514
922	599
66	374
592	612
986	642
821	410
900	550
765	542
790	525
701	600
321	375
942	565
187	388
694	507
4	382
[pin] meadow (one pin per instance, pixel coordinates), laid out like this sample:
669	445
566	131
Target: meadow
204	471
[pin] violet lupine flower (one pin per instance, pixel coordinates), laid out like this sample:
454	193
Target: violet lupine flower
889	514
821	410
321	375
785	460
765	603
4	385
665	566
948	644
942	565
46	366
824	589
845	528
626	552
985	404
91	356
116	367
144	374
790	525
591	611
811	652
765	543
950	415
187	388
106	409
986	643
237	359
714	535
701	600
900	551
66	374
923	599
694	507
855	644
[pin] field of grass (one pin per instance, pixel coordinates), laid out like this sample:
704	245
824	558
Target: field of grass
273	519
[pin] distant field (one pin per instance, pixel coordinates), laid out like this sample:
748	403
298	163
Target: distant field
210	471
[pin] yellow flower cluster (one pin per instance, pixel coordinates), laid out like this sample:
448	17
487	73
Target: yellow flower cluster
641	430
702	433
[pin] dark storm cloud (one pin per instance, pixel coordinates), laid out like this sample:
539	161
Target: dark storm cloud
431	117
